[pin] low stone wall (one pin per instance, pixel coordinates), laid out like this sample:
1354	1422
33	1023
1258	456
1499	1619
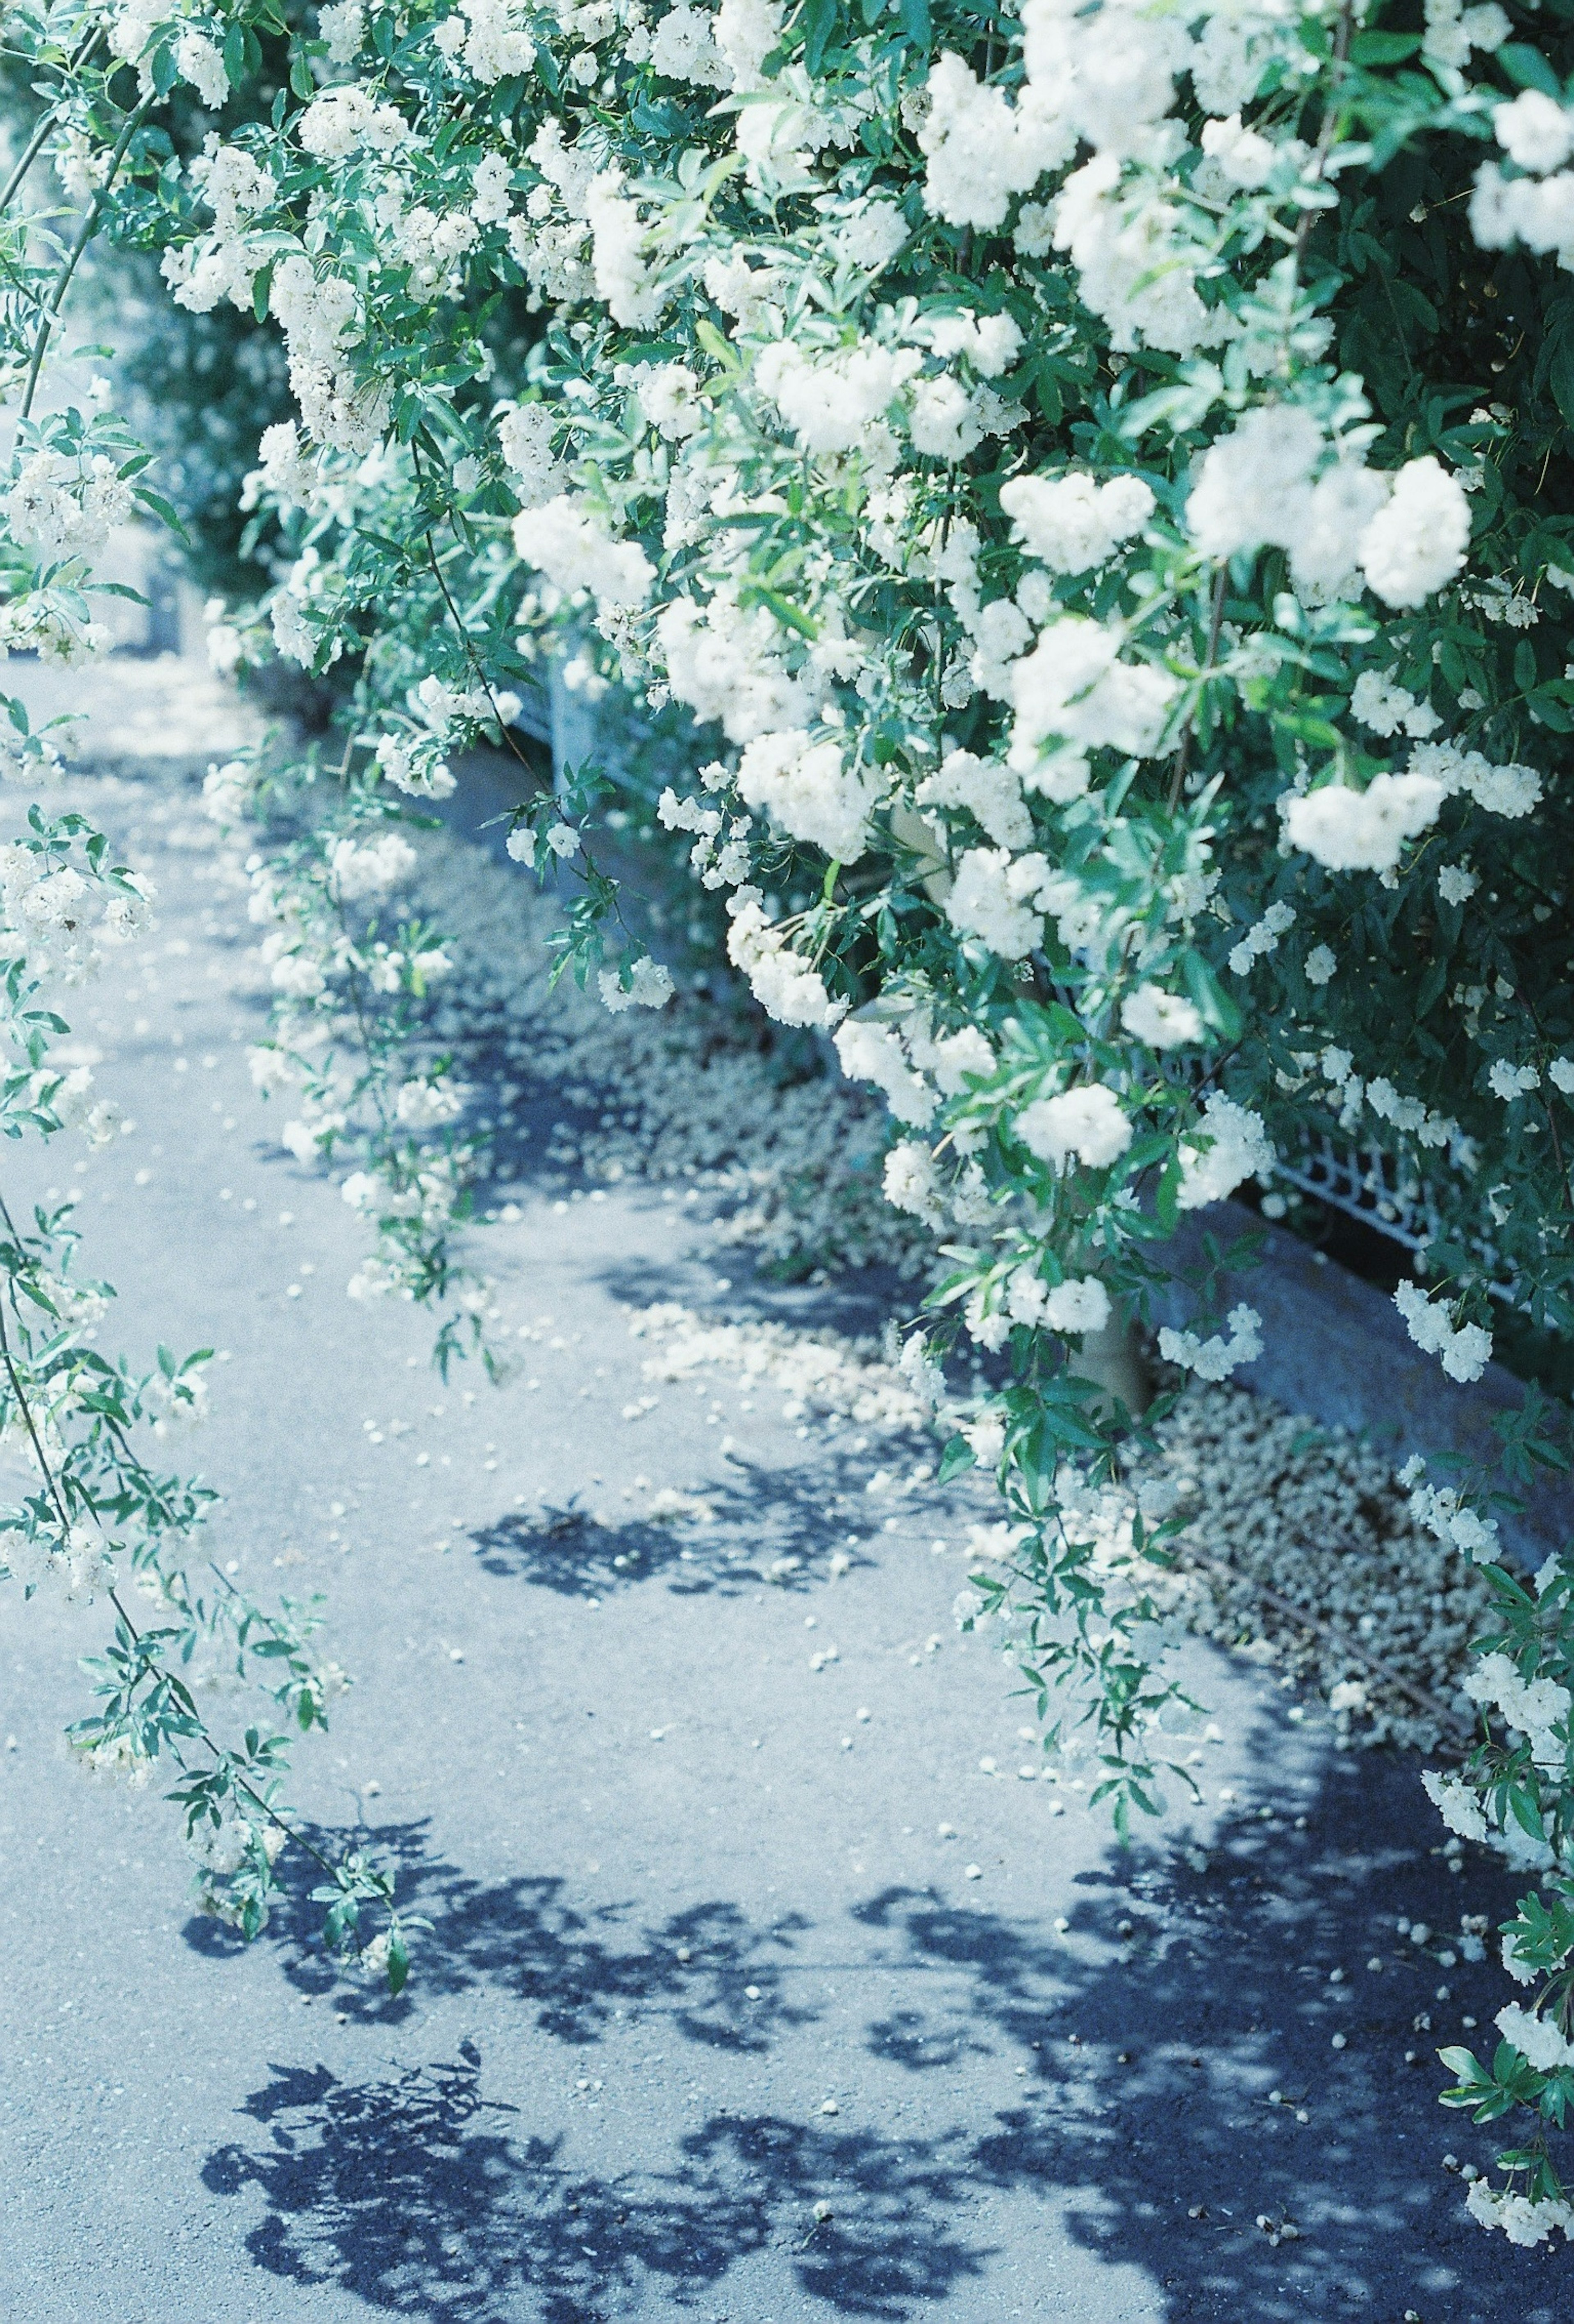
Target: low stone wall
1337	1349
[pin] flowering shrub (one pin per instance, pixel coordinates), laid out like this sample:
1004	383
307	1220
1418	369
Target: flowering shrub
1095	479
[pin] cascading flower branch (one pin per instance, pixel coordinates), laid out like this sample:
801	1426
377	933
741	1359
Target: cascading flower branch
1096	479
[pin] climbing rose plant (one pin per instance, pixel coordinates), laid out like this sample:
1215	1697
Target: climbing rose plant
1097	482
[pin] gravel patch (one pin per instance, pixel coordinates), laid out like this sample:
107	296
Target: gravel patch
706	1091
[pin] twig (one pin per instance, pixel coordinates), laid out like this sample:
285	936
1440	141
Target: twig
1183	750
89	226
50	121
1342	1639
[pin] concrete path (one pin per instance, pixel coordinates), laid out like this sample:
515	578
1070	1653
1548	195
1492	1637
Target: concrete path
755	1991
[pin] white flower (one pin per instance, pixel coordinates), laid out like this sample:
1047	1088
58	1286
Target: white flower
1535	131
1522	2221
832	402
423	1105
567	539
1073	688
519	845
1253	486
1509	1081
1417	543
980	148
1456	882
1512	790
1362	831
1069	522
1456	1804
297	976
811	791
650	986
1245	158
1262	938
991	794
941	421
871	236
1377	703
910	1182
343	26
1537	2039
1217	1357
991	344
1087	1121
358	870
1162	1020
1464	1354
871	1052
1076	1306
1240	1148
1321	964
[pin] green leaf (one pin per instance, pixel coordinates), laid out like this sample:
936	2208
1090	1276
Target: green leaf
1526	1815
1463	2065
913	18
1529	68
785	611
1383	48
819	22
398	1962
958	1456
1217	1011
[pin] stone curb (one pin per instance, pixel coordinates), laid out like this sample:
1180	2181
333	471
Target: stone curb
1337	1349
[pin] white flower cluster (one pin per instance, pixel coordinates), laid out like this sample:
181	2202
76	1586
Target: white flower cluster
1362	831
1262	938
567	539
1440	1510
1538	2041
1536	206
784	984
650	986
1276	483
1238	1146
1522	2221
358	870
1215	1358
1377	702
1086	1122
1464	1353
1071	523
1534	1708
65	504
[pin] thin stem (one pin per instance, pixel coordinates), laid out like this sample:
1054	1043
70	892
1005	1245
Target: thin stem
1326	134
40	135
1183	751
461	633
56	1495
1448	1720
88	228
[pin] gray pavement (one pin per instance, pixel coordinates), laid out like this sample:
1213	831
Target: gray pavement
754	1991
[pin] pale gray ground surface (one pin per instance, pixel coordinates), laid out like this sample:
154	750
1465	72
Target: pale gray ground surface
699	1958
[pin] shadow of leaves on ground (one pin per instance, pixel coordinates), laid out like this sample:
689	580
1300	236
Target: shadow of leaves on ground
1143	2040
755	1524
717	1977
409	2192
